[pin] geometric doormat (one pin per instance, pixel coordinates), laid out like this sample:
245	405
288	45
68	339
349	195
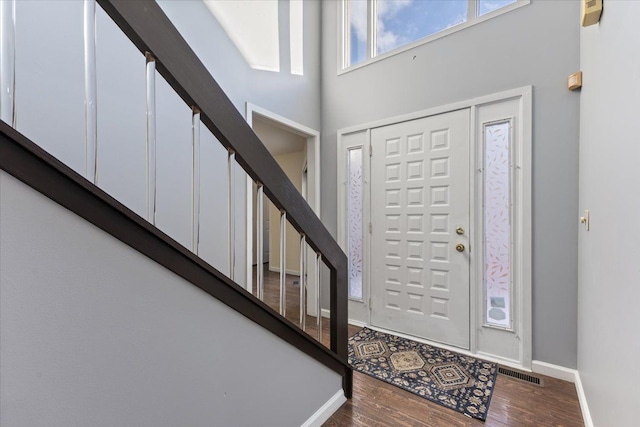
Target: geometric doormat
462	383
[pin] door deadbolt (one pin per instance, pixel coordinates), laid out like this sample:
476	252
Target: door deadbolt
460	247
460	230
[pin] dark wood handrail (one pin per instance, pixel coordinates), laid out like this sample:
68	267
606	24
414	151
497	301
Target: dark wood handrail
151	31
32	165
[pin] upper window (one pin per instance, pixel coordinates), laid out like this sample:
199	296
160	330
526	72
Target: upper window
376	27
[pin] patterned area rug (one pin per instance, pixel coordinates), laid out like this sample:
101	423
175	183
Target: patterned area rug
459	382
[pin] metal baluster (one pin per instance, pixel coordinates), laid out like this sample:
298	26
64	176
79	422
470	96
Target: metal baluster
195	180
151	138
7	62
283	263
90	92
303	281
232	217
260	241
318	309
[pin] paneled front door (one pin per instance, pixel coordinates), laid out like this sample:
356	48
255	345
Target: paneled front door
420	227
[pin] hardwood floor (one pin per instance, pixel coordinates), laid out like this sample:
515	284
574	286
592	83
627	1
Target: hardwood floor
272	299
377	404
514	403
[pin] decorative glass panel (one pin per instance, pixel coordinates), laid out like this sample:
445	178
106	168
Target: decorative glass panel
497	224
355	192
486	6
357	14
400	22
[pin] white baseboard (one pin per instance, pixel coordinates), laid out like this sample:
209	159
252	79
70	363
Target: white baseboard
566	374
584	407
277	270
509	363
326	410
327	314
554	371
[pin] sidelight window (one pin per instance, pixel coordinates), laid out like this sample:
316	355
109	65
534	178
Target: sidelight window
497	223
355	191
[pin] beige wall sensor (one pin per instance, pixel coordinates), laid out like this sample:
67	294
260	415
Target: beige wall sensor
591	12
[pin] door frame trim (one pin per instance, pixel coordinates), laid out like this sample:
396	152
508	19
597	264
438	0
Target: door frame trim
523	230
312	163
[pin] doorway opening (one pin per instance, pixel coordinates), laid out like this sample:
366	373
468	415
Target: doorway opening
296	149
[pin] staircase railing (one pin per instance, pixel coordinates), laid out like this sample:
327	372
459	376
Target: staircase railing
150	30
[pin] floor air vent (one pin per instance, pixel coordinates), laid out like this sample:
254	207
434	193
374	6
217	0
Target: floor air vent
520	376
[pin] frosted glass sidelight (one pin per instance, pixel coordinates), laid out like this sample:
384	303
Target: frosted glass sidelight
497	224
354	221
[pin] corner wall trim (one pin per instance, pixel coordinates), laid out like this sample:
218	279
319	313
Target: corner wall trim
326	410
554	371
582	397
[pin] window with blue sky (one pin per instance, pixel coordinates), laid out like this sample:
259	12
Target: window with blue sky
358	33
398	23
486	6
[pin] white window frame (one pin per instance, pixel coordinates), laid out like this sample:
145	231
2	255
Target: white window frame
344	42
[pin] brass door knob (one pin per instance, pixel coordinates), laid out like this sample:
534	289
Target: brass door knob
460	247
460	230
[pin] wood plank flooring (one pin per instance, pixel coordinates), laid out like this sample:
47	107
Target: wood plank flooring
514	403
378	404
292	291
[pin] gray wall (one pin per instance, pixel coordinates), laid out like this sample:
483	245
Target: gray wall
94	333
535	45
49	72
609	261
294	97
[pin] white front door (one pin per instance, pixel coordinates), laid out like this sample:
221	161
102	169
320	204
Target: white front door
419	214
